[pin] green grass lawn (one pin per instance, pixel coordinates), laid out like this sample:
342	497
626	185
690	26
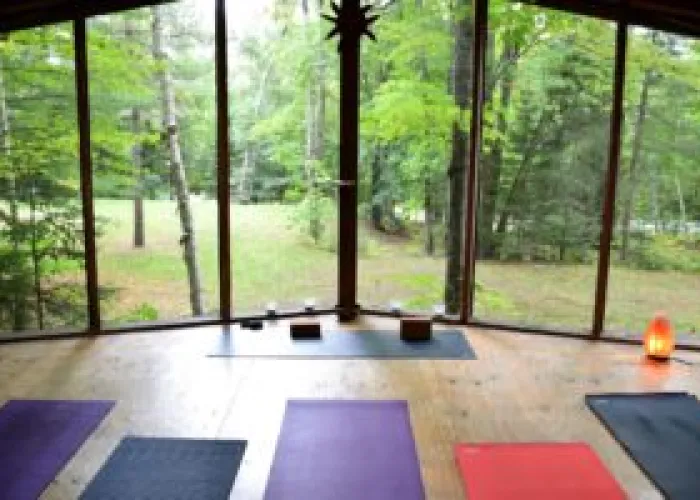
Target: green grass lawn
274	262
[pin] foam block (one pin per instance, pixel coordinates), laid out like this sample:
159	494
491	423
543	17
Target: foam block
416	329
305	329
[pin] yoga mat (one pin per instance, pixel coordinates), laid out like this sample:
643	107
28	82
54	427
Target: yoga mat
661	432
345	450
448	344
167	469
37	438
535	471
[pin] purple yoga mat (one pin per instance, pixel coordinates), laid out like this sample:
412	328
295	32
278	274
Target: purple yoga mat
37	438
345	450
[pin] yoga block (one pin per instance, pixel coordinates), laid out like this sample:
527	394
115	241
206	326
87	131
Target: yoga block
252	324
305	329
416	329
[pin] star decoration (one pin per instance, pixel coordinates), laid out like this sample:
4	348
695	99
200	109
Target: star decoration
351	21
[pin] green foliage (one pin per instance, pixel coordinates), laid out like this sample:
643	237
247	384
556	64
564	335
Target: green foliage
666	253
144	312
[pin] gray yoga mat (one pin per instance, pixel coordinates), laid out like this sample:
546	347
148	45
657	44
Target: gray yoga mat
168	469
661	433
447	344
345	450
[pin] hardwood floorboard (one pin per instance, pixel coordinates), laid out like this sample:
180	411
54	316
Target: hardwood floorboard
522	388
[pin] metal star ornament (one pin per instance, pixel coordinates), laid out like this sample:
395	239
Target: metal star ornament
351	21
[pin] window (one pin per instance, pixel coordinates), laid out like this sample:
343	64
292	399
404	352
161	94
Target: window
656	248
415	108
284	92
152	98
543	162
42	280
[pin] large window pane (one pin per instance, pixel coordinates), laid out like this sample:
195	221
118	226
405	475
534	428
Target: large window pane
152	99
656	251
416	93
42	281
284	125
543	163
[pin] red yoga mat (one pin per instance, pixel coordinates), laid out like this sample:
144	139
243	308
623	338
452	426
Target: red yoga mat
535	471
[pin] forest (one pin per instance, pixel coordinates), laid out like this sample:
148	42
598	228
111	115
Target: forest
542	165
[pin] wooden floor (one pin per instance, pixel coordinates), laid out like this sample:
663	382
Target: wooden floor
522	388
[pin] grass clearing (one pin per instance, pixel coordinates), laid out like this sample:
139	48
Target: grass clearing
274	262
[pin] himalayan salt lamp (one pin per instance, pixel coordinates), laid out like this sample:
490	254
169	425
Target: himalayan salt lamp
659	339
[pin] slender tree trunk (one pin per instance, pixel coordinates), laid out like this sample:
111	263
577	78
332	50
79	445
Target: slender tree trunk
245	182
377	205
137	154
36	260
249	167
429	209
635	162
315	121
429	200
178	176
462	65
490	174
681	206
18	311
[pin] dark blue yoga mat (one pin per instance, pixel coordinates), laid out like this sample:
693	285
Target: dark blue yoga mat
447	344
168	469
661	432
345	450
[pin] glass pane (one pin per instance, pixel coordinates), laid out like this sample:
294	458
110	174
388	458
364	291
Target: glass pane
543	164
153	120
42	279
284	125
656	250
416	90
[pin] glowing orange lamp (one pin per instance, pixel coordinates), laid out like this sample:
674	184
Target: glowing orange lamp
659	339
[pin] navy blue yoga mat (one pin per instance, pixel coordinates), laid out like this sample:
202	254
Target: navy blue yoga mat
167	469
661	432
447	344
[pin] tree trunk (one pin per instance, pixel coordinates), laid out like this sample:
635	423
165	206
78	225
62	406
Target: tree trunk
457	168
681	206
249	168
429	201
490	174
315	121
635	161
137	154
429	209
18	311
376	203
245	182
178	176
36	260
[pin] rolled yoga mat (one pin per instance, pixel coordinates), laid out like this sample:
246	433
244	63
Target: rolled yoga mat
345	450
535	471
371	344
661	432
167	469
37	439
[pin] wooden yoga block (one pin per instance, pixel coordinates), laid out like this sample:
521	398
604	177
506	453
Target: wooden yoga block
305	329
416	329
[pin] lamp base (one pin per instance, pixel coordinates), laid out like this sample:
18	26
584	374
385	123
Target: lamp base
659	358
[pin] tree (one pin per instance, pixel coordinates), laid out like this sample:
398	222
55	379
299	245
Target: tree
179	178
